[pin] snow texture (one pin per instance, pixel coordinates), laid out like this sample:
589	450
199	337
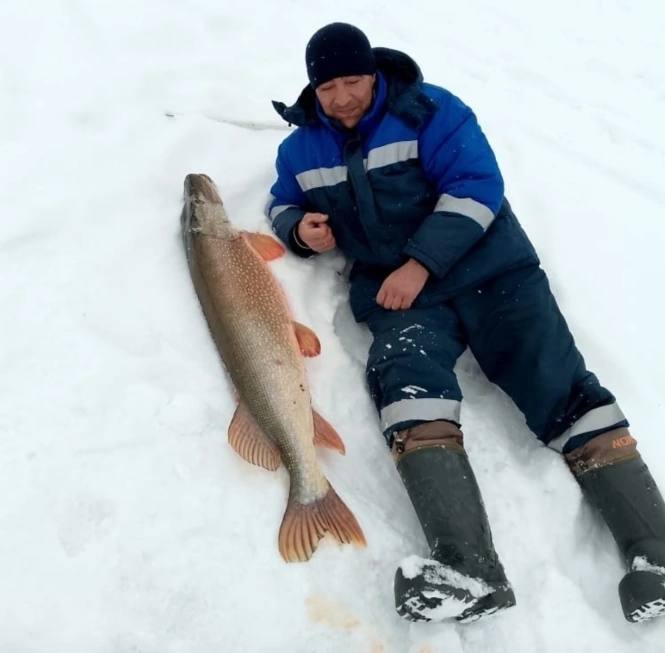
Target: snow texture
413	390
640	563
128	523
448	607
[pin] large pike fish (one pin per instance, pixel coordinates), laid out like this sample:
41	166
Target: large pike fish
262	349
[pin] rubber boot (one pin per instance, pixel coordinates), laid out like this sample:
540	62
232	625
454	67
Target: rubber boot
463	578
616	480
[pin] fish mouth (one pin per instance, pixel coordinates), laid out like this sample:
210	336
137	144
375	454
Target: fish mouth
203	211
201	187
194	183
188	221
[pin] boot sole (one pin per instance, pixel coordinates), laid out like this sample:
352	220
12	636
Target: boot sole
501	599
647	611
428	596
642	595
438	593
433	604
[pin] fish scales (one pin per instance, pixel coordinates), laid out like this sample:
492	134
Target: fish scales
260	351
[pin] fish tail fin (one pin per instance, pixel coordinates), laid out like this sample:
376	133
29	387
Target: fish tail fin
304	524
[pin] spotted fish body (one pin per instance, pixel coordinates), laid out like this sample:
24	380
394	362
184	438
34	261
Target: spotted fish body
262	350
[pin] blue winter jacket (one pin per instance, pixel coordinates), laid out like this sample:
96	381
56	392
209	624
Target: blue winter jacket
416	178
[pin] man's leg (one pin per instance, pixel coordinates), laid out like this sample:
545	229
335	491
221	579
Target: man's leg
615	479
463	577
523	344
410	366
411	378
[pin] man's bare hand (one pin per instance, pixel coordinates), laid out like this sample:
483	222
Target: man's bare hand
315	233
401	287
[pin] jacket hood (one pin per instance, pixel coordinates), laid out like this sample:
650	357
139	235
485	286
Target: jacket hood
401	72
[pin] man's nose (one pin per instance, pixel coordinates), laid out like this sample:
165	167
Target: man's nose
342	97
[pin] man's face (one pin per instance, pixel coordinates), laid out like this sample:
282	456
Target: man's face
346	98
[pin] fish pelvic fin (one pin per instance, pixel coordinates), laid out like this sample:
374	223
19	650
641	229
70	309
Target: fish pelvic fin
325	435
304	525
250	442
307	341
266	246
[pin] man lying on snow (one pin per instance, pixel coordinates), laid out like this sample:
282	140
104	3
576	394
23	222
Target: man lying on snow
398	174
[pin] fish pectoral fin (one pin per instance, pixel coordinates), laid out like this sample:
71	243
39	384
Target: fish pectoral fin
304	524
307	341
250	442
325	435
266	246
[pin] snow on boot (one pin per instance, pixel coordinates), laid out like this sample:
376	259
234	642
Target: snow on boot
462	578
616	480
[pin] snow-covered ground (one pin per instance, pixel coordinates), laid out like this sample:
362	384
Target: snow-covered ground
127	523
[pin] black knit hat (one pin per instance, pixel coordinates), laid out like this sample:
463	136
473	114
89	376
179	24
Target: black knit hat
337	50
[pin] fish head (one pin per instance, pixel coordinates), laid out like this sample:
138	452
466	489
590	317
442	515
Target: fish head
204	210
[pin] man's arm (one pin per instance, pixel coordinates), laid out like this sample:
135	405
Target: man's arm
457	158
285	208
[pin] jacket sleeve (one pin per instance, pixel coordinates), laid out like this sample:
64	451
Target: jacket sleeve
285	206
458	160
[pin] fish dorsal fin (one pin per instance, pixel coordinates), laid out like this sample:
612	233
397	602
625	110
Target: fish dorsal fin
325	435
250	442
307	340
266	246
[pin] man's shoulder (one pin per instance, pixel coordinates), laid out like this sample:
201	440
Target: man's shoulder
438	94
449	107
305	146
